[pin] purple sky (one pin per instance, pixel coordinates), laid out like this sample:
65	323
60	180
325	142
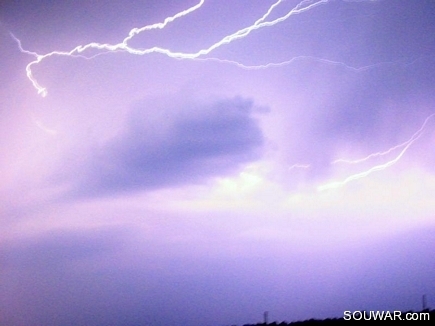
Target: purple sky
227	164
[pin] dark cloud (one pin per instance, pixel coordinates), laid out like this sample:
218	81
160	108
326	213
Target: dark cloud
166	144
81	278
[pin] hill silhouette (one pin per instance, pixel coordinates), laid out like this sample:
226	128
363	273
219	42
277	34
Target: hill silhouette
367	316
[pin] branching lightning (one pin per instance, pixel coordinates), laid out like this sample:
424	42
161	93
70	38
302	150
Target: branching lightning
104	48
405	146
202	55
295	59
79	50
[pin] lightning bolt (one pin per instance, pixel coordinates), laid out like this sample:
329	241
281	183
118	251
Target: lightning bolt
405	146
201	55
299	58
123	46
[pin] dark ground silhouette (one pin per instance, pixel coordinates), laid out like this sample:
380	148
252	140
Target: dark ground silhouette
429	315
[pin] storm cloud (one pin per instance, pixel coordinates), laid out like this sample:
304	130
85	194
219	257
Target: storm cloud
155	190
172	146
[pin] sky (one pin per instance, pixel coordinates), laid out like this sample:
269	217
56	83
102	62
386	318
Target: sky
201	162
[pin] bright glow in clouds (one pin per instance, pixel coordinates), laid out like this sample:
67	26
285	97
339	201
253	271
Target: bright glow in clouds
233	158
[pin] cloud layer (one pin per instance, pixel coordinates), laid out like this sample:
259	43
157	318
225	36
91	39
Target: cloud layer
175	144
